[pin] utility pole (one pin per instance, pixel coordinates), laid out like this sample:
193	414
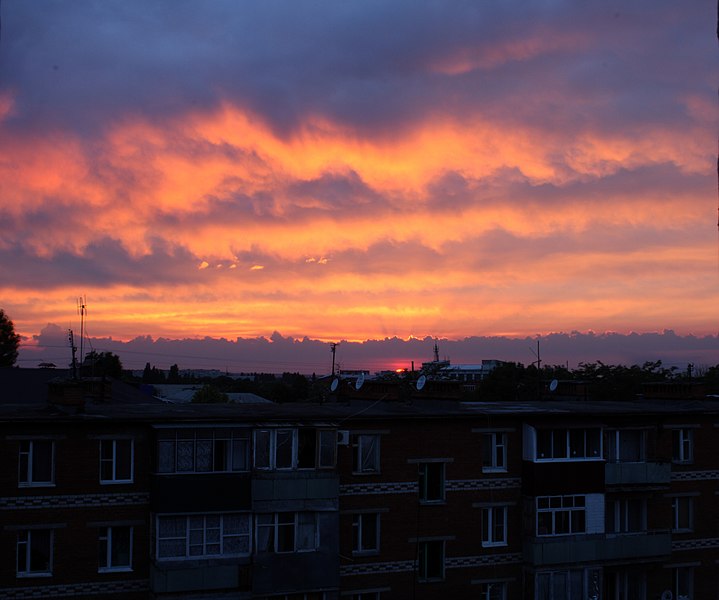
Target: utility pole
333	349
74	349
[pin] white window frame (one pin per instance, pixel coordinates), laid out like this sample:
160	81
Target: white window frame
26	454
487	590
683	577
621	583
187	537
325	446
614	446
359	525
107	535
494	518
113	461
562	437
273	447
566	575
277	520
233	435
677	512
422	560
424	469
497	461
567	504
621	513
683	441
24	548
360	442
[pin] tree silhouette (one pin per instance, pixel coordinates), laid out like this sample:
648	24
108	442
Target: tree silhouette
9	341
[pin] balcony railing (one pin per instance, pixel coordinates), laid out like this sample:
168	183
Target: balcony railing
594	548
640	473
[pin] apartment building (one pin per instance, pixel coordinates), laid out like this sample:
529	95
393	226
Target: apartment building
106	493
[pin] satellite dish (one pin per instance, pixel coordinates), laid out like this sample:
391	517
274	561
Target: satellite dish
360	381
667	595
421	382
553	385
334	384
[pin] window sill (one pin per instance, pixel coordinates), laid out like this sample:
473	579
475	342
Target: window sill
115	570
494	544
433	502
38	574
493	470
360	553
365	473
36	485
116	481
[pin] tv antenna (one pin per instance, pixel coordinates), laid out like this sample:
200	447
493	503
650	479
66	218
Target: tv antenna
73	349
82	311
333	349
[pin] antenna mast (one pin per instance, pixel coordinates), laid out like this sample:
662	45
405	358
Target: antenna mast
71	339
333	349
82	310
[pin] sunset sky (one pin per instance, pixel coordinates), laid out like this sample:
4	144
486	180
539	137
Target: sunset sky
359	170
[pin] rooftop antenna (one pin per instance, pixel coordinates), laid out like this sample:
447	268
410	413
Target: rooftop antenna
73	348
333	349
82	311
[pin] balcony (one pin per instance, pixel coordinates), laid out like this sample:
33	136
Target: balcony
597	548
643	473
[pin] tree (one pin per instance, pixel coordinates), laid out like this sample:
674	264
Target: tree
174	376
9	341
209	394
102	364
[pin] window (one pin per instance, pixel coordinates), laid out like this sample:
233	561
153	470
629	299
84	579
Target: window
561	515
682	445
36	463
287	449
626	585
683	513
365	533
316	448
366	453
202	450
494	452
569	444
431	561
431	482
494	526
287	532
625	445
493	591
115	549
116	461
560	585
34	553
626	515
684	583
198	536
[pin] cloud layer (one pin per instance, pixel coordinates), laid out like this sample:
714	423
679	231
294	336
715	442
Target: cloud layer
358	170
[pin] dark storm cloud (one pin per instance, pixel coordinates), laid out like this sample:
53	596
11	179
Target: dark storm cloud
105	262
371	65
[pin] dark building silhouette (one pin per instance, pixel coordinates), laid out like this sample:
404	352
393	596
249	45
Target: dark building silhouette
386	494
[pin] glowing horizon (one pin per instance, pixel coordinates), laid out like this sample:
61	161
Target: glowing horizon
505	175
